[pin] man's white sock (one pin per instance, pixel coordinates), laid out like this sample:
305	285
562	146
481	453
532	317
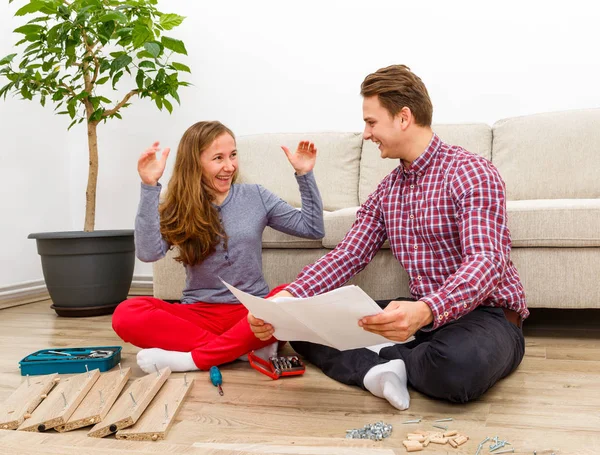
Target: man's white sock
378	347
177	361
268	351
388	380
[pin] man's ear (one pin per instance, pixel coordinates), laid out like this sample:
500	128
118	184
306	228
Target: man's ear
405	116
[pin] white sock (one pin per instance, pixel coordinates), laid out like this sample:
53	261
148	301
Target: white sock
388	380
378	347
268	351
263	353
177	361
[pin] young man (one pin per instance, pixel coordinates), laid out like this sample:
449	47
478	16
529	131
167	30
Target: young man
443	211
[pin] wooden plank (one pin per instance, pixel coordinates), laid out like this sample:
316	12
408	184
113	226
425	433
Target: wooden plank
61	403
126	410
157	420
98	401
25	399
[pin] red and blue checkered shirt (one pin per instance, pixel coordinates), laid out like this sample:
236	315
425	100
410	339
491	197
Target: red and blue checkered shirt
445	219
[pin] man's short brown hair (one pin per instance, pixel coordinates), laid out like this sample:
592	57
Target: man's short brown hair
396	87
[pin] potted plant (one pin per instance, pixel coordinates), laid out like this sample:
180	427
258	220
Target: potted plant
73	53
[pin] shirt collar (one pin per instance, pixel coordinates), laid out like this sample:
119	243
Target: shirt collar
424	160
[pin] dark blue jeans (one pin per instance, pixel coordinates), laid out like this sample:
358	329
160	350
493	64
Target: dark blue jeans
458	362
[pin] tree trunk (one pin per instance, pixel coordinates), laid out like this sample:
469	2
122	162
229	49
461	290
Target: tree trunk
90	194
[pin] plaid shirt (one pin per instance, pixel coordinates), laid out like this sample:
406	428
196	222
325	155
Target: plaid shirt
445	218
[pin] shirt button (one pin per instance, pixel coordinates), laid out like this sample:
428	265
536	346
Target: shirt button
440	317
416	247
464	305
411	217
419	278
412	186
445	313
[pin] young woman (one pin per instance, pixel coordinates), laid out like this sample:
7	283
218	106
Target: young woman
217	227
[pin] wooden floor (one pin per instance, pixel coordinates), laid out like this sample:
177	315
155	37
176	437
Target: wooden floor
551	404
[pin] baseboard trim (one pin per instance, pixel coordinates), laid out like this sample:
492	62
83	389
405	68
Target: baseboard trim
22	293
35	291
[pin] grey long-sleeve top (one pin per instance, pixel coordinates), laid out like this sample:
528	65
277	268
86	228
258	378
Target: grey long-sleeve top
245	212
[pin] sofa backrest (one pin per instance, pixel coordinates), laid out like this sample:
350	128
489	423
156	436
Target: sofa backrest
476	138
549	156
262	161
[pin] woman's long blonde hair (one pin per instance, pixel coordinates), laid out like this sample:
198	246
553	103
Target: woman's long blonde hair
188	219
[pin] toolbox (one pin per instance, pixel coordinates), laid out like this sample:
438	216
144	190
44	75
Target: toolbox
276	367
70	360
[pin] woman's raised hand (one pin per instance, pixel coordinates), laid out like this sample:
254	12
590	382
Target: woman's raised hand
304	159
150	168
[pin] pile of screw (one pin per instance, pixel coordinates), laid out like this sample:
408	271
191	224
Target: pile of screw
374	431
495	447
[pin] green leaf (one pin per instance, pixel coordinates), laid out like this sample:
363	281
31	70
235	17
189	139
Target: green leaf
141	35
173	44
139	79
159	103
7	59
168	105
147	64
120	62
169	21
102	80
30	8
71	109
29	29
116	78
153	49
72	123
181	67
113	16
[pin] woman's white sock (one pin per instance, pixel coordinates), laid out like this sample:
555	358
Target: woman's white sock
175	360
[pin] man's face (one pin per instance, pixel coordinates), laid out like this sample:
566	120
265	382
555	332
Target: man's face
383	129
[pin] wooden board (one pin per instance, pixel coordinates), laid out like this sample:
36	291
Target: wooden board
54	411
125	413
24	400
98	401
156	420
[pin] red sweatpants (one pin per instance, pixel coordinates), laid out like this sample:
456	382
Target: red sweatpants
215	333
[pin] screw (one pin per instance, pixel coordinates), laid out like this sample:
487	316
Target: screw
449	419
185	379
166	412
413	421
132	399
442	427
88	371
120	369
157	372
64	398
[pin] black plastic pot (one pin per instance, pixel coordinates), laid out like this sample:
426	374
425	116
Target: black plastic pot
86	273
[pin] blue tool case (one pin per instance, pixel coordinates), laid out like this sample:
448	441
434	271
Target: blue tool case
70	360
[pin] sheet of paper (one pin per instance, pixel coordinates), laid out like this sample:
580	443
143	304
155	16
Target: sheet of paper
287	327
331	318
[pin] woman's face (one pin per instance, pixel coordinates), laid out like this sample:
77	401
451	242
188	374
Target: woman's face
219	162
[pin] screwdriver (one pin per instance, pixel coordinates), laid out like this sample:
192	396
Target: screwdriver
216	378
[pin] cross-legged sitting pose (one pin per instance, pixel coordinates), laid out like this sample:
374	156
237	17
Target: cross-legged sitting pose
217	227
443	211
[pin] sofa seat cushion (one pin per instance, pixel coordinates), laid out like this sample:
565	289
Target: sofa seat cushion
275	239
554	222
535	223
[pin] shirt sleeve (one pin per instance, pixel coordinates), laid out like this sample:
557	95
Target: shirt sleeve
351	255
480	195
150	246
306	222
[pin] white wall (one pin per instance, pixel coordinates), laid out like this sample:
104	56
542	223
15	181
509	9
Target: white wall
274	66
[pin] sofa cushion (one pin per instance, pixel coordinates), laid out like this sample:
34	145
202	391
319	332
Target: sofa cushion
549	156
274	239
554	222
475	137
262	161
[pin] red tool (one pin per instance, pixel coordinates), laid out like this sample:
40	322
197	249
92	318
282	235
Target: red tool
276	367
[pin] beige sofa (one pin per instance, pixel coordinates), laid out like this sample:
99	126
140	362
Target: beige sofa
551	166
